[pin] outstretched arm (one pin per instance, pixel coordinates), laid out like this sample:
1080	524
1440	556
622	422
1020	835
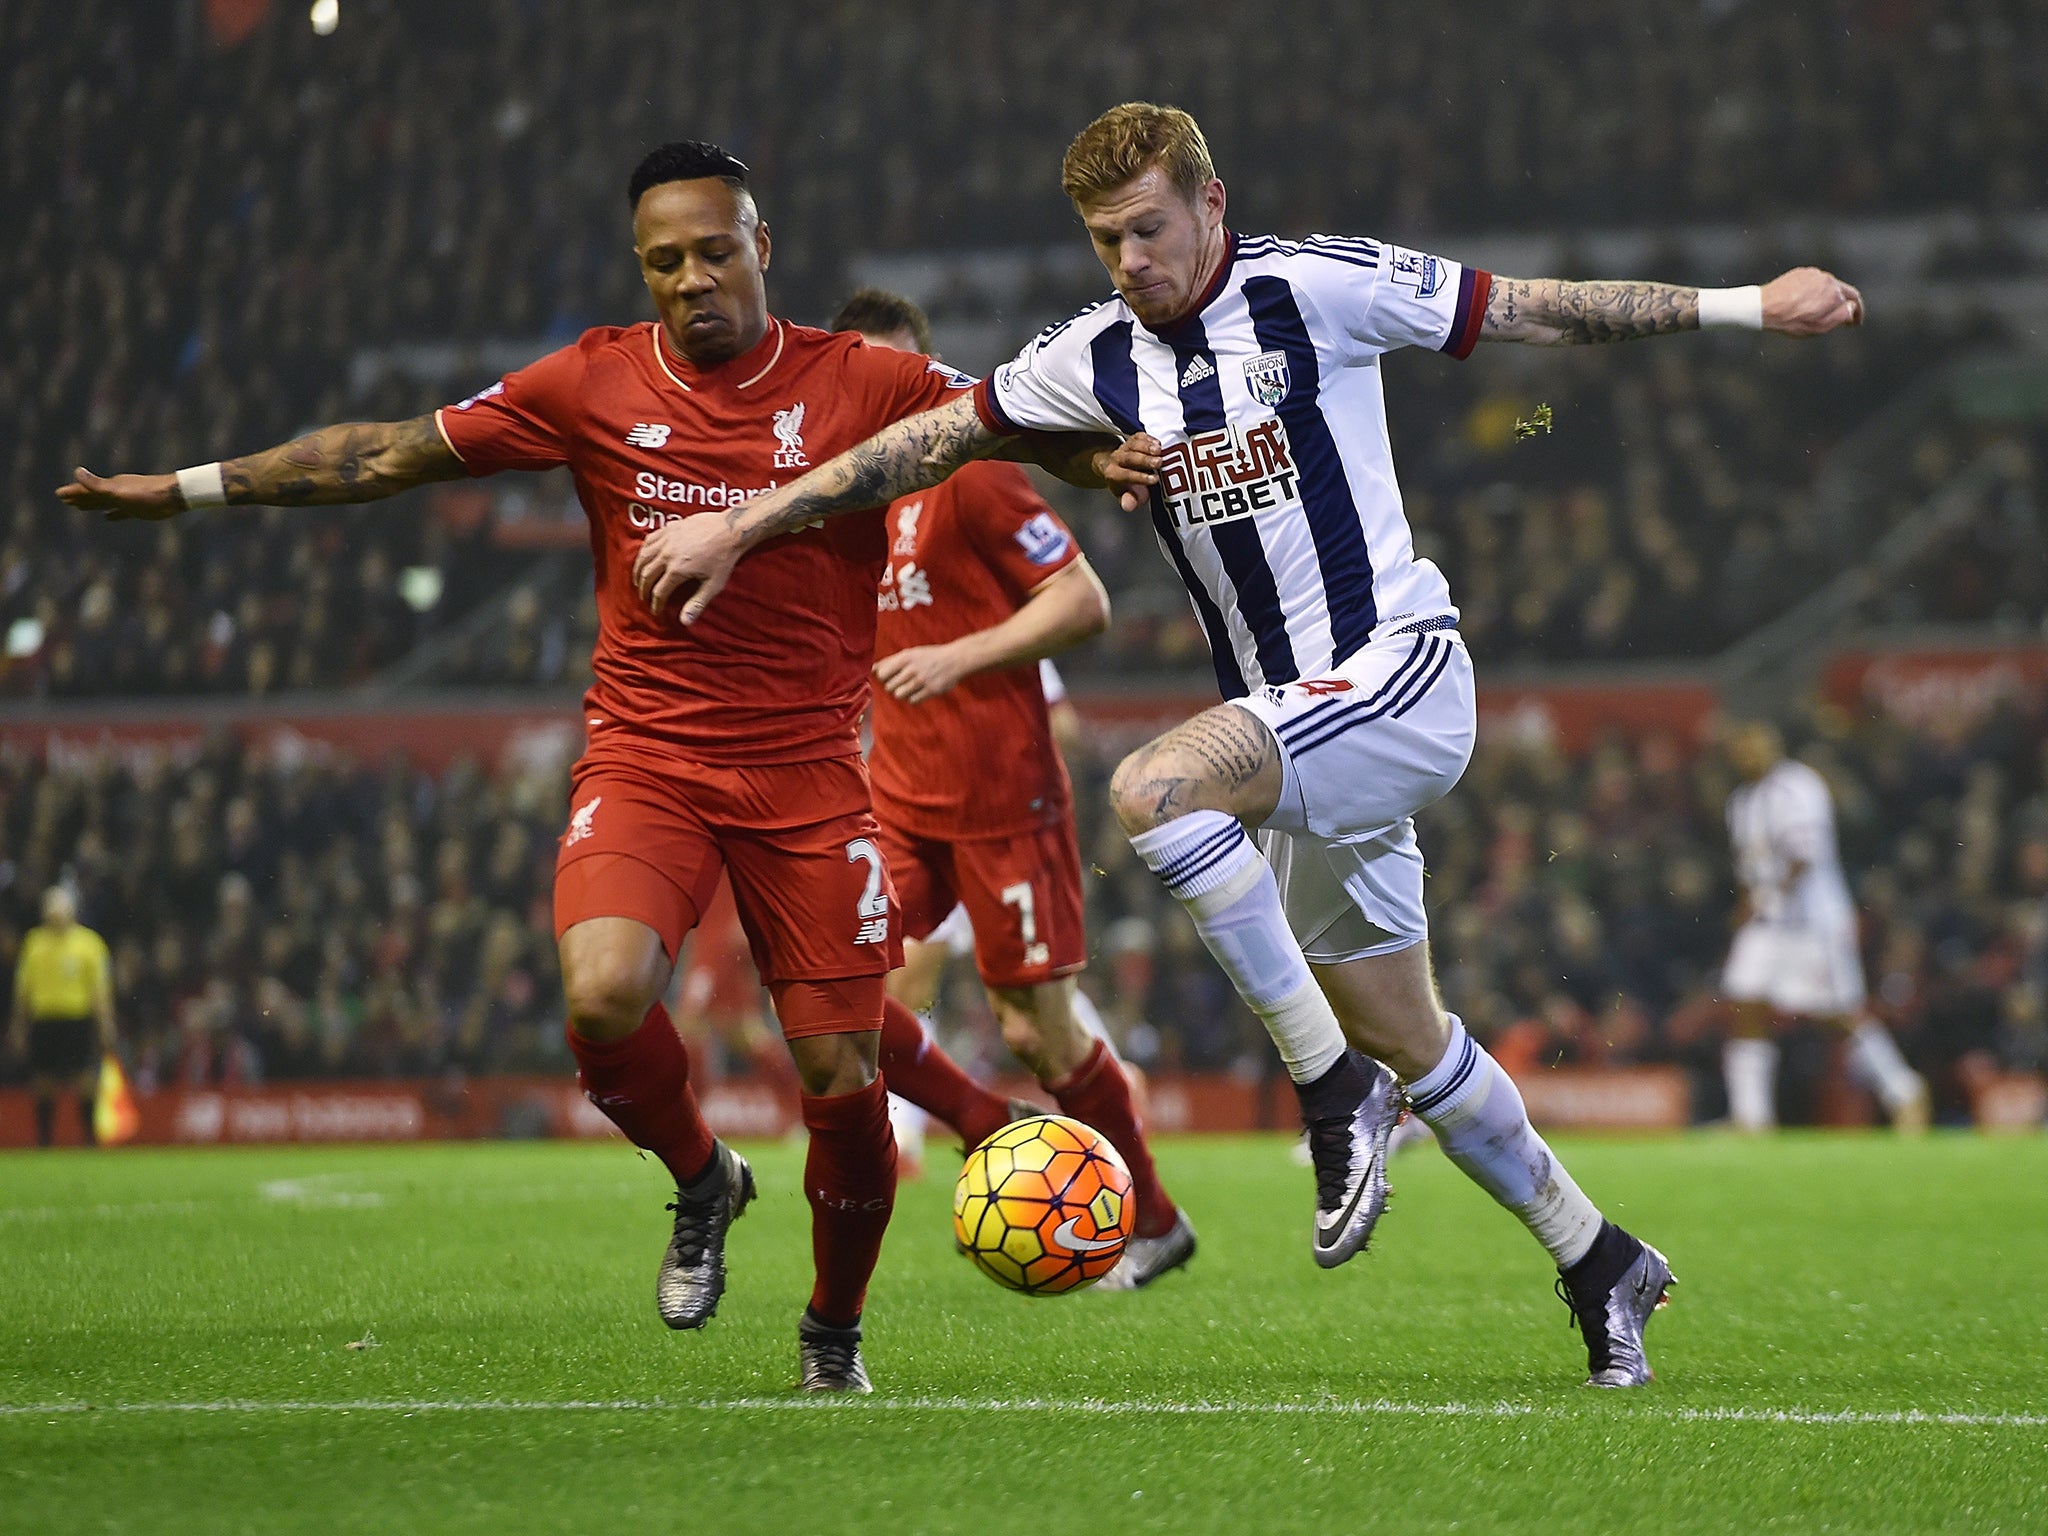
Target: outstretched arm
910	455
356	461
1546	312
1065	609
1079	458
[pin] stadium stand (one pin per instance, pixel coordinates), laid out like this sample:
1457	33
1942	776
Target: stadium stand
1580	902
287	917
301	918
182	282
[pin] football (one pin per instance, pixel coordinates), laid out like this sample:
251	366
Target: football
1044	1206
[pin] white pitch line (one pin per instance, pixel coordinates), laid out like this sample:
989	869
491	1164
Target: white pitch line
1376	1407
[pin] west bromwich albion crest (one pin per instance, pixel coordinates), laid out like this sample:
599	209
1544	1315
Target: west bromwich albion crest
1266	377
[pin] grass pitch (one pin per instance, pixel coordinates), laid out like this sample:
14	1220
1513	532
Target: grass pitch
1859	1343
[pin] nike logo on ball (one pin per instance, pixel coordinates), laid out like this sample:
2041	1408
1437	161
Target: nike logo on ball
1065	1235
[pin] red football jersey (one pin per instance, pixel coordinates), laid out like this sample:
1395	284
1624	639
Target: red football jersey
978	761
777	668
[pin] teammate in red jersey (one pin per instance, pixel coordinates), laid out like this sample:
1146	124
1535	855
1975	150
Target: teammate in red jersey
729	745
983	580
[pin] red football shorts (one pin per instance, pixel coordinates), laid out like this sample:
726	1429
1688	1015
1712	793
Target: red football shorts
647	839
1023	894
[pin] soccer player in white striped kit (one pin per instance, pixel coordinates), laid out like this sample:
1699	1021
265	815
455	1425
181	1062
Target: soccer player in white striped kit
1795	951
1243	374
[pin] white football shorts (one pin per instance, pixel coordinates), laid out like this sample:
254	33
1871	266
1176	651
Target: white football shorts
1806	970
1363	747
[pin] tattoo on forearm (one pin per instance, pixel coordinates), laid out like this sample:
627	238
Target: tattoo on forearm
1229	744
914	454
356	461
1559	313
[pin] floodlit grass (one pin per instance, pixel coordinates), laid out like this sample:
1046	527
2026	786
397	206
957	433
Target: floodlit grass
174	1355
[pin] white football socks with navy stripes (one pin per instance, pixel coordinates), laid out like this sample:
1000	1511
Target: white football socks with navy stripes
1480	1121
1219	875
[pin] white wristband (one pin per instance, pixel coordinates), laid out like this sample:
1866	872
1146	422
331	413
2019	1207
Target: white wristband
202	486
1743	307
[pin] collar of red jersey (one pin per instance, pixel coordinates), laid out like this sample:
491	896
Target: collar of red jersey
761	358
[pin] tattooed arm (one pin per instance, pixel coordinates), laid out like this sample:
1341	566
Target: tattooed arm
357	461
1803	302
911	455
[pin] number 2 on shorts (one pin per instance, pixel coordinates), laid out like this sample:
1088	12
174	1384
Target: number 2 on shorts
872	902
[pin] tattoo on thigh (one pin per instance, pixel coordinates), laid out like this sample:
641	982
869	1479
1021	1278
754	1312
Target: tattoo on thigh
1221	749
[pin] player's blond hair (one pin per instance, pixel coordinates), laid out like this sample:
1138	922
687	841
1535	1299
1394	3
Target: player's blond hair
1127	141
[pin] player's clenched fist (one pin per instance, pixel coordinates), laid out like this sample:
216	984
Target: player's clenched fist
123	496
700	549
1809	302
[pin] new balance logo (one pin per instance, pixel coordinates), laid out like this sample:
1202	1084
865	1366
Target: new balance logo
648	434
1198	370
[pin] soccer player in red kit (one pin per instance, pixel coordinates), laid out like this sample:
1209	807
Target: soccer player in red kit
983	580
731	745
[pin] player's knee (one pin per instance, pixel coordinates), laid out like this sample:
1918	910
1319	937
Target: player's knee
605	1002
829	1065
1021	1034
1041	1030
1142	790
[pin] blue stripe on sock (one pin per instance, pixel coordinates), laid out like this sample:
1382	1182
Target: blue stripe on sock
1209	843
1213	852
1468	1062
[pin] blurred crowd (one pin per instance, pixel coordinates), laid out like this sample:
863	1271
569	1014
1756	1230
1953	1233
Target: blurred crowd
209	238
1581	905
218	237
299	917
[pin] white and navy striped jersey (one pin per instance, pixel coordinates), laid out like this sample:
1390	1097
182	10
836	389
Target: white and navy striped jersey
1787	817
1277	503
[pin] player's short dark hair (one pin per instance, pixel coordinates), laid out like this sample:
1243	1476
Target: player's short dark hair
685	160
878	312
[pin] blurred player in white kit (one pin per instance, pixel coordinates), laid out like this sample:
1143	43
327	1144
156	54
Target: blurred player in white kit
1795	944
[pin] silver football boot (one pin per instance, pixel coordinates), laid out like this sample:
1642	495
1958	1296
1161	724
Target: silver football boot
692	1274
1611	1293
828	1358
1348	1151
1147	1258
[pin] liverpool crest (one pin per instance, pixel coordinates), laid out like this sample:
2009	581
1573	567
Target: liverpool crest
1266	377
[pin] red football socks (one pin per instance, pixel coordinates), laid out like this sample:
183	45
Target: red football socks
917	1070
1097	1093
850	1177
642	1083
